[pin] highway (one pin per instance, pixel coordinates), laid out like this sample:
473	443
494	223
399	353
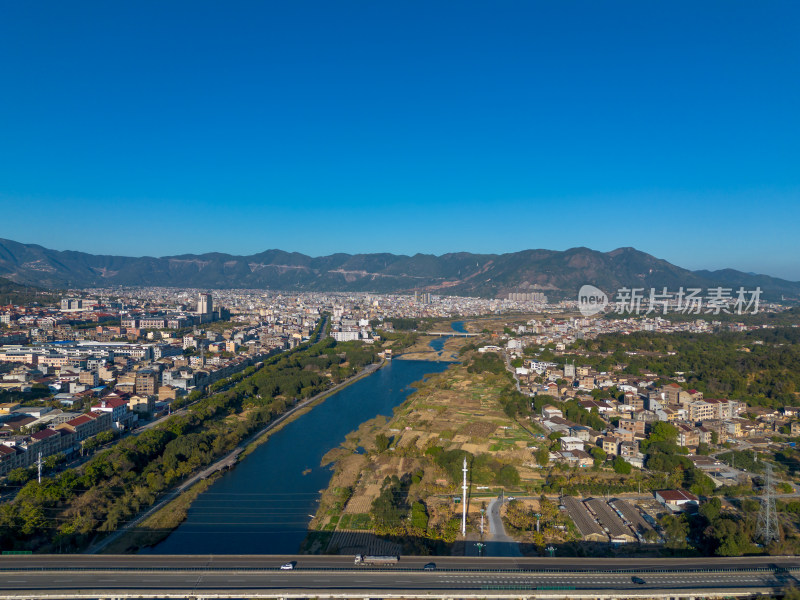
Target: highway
81	576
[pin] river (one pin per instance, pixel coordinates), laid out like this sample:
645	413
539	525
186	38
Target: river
437	344
264	505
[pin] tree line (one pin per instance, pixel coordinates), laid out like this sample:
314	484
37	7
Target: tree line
67	512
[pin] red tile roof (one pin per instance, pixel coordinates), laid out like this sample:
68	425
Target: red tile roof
44	434
677	495
82	420
6	451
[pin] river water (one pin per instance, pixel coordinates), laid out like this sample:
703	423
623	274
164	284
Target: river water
264	505
437	344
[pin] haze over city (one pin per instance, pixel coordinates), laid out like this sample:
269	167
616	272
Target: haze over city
155	129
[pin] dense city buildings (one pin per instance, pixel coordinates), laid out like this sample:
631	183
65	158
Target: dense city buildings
106	362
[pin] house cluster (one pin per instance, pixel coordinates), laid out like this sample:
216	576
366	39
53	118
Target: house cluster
628	417
561	333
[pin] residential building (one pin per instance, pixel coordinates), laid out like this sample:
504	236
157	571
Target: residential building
609	445
118	408
142	404
88	425
146	382
571	443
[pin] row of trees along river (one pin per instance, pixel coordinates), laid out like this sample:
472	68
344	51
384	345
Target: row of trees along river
264	505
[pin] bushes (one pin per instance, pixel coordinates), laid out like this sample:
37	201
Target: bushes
508	476
483	468
382	442
621	467
488	362
419	516
390	508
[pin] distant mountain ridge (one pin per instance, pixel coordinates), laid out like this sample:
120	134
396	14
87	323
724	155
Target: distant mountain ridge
557	273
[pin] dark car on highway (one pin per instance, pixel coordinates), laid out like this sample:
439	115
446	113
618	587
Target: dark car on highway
430	567
638	580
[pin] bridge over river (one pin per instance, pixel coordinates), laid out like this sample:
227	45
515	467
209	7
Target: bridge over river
450	333
249	576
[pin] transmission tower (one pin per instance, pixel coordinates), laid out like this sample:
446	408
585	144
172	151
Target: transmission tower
767	527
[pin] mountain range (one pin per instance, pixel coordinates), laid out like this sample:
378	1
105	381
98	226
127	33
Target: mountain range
557	273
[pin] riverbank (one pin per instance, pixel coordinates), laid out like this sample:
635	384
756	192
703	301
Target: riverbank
451	413
434	348
161	519
159	525
304	407
264	505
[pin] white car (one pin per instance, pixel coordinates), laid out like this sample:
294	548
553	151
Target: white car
287	567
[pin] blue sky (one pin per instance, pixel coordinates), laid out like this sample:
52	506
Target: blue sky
171	127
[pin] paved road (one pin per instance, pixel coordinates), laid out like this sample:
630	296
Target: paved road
512	370
231	576
261	561
500	544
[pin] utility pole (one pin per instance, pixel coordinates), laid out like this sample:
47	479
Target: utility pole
464	501
767	527
39	464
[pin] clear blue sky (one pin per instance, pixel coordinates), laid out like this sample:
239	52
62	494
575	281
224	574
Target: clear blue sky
170	127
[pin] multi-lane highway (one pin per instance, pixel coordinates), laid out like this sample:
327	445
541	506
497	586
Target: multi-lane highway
81	576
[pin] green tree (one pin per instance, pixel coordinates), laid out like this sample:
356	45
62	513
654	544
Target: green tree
676	530
791	592
542	456
20	476
663	432
382	442
731	537
711	509
621	467
598	454
508	476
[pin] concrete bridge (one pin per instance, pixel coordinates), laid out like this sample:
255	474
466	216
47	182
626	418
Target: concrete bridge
449	333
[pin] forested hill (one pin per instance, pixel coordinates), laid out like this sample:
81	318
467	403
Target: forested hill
556	273
14	293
